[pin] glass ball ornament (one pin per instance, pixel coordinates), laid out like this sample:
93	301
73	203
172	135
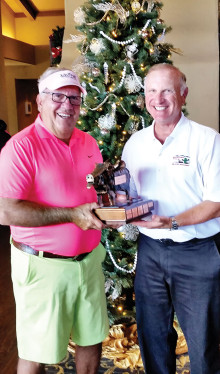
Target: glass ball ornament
95	72
133	127
135	6
146	34
140	102
130	232
83	111
104	131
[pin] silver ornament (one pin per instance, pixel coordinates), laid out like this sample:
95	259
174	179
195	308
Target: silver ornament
108	284
131	50
130	232
105	65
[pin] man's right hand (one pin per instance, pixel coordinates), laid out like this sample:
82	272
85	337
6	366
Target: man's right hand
83	216
29	214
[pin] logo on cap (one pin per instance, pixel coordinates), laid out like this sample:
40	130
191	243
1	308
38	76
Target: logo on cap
68	75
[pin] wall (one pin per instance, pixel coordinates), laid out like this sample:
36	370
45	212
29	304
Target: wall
13	72
8	21
41	28
35	33
18	51
70	52
195	31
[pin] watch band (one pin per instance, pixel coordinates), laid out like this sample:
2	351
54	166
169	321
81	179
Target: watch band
174	224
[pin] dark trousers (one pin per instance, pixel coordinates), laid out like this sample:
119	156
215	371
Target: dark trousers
185	278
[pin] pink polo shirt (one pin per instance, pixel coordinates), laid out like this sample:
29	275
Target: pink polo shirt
38	167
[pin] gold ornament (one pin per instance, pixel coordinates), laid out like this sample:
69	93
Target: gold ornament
135	6
114	33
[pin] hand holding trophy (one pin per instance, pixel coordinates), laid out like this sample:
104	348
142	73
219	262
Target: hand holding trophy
111	183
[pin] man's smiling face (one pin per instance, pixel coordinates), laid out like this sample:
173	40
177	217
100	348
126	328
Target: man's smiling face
59	118
163	96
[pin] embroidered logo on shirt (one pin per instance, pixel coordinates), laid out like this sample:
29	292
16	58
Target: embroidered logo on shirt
181	160
90	156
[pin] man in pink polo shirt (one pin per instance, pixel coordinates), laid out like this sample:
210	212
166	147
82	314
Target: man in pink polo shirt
56	251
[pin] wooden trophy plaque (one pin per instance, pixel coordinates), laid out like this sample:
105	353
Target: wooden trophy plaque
136	209
112	186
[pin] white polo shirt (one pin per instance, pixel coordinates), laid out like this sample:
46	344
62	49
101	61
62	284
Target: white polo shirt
176	175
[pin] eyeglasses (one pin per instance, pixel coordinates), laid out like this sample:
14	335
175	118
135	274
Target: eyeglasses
58	97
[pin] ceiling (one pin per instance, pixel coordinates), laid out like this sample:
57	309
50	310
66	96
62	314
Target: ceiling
35	8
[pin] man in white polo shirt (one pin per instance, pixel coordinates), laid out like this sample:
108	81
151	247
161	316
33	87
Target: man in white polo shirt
176	163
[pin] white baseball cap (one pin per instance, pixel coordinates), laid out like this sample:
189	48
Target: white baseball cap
60	78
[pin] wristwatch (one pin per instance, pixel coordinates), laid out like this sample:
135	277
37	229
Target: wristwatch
174	224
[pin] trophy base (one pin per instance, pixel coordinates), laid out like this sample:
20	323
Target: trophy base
126	212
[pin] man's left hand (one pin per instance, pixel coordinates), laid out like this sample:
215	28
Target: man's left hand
156	222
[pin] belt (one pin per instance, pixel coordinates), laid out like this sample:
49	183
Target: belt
31	251
172	242
194	240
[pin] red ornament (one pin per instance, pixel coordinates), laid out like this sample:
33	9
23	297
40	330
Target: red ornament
56	51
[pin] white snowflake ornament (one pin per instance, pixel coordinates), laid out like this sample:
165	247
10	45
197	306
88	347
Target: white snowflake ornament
106	123
79	16
97	46
132	83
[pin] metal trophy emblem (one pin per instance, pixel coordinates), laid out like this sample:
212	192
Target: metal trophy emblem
111	183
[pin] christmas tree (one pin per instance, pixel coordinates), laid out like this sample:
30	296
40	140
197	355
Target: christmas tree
118	42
